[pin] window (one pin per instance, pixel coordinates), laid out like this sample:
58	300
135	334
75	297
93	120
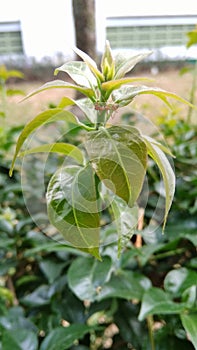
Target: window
10	38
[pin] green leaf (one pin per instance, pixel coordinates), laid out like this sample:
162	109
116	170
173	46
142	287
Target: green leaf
125	285
156	301
62	148
73	207
79	72
157	154
119	158
5	73
125	64
87	276
177	281
192	37
125	219
60	84
126	94
115	84
19	339
189	322
107	63
90	63
49	116
51	269
63	338
86	106
39	297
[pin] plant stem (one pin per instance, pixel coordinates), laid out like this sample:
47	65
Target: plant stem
150	331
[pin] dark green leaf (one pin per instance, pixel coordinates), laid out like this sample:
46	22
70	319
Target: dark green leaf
87	276
119	158
39	297
62	148
19	339
63	338
73	207
177	281
125	285
51	269
156	301
189	322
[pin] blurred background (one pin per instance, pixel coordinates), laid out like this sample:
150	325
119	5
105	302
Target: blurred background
43	31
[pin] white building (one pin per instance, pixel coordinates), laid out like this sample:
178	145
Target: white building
42	28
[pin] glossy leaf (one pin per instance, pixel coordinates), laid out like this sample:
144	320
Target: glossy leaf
124	64
60	84
19	339
63	338
189	322
177	281
62	148
73	207
90	63
79	72
126	94
119	157
86	277
86	106
157	154
156	301
125	219
49	116
125	285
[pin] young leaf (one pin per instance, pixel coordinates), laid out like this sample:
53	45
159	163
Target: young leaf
189	322
90	63
162	162
126	94
125	219
116	84
60	84
124	64
79	72
62	148
85	104
119	158
73	207
48	116
107	63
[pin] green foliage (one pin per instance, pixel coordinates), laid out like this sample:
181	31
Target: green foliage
114	157
61	296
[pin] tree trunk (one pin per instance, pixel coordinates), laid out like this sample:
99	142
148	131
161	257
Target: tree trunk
84	19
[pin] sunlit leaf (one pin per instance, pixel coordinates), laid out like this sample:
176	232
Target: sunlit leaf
48	116
5	73
156	301
73	207
119	157
79	72
62	148
125	95
85	104
107	62
124	64
157	154
189	322
60	84
90	63
115	84
192	37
